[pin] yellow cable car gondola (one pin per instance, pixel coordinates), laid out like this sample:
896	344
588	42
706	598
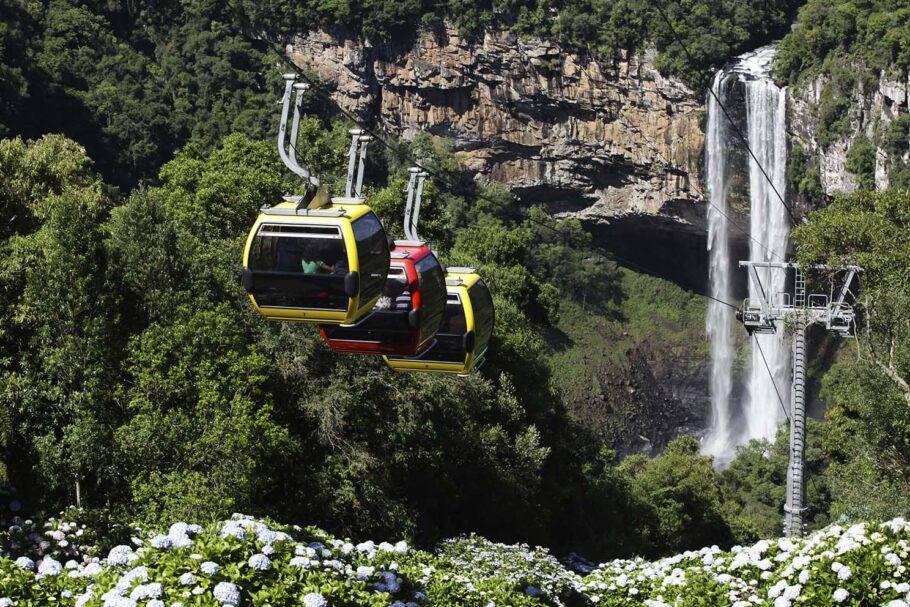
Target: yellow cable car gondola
312	259
467	326
325	265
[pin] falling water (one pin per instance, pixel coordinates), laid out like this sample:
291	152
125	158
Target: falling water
720	439
770	226
765	131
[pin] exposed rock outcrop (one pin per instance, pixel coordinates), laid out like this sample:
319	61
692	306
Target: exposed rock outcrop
870	112
605	140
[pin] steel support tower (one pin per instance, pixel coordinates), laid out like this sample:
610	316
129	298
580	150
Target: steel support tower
768	314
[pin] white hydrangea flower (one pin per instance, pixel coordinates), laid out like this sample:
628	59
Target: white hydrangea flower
260	562
210	568
162	542
84	598
50	567
187	579
364	572
314	599
25	563
147	591
120	556
227	593
840	595
844	573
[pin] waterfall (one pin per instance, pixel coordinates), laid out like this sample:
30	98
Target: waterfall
770	226
765	115
719	441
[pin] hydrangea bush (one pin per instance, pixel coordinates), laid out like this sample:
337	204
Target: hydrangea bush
245	561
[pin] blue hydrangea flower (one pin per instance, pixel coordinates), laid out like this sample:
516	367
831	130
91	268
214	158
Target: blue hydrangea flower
533	591
155	603
162	542
268	550
139	574
119	601
147	591
314	599
187	579
299	561
227	593
50	567
25	563
265	535
260	562
233	529
210	568
91	570
120	555
178	529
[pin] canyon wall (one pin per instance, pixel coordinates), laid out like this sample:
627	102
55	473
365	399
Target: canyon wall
604	140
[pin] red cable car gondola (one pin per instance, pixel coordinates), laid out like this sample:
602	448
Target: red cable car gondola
408	314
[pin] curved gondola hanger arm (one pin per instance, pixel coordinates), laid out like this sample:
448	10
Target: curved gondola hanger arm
359	141
314	197
418	198
416	179
409	204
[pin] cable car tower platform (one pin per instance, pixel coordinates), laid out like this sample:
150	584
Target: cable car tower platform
773	311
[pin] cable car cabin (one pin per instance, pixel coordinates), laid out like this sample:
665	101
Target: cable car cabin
325	265
467	326
407	315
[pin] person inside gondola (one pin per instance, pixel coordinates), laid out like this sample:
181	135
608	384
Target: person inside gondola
316	266
391	293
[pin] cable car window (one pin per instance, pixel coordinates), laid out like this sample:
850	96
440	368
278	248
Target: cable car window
387	320
432	290
299	266
482	305
373	255
449	346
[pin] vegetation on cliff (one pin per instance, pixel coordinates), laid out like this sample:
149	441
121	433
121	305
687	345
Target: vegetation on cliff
135	82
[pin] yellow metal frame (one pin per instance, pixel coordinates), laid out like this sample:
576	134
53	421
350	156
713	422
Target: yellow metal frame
467	280
352	212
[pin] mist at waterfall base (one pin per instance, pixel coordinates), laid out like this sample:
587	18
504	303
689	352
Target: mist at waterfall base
736	421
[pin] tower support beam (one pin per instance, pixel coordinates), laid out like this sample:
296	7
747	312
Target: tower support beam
765	316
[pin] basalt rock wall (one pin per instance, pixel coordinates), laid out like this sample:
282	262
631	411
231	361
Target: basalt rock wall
612	142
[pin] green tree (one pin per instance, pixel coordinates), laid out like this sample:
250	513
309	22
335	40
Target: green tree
681	494
57	334
866	431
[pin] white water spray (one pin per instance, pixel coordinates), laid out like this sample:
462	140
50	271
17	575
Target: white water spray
769	226
766	106
720	439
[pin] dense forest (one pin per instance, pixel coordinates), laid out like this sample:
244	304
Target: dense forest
136	152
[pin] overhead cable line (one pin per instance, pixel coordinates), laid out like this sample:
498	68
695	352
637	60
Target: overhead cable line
660	8
783	407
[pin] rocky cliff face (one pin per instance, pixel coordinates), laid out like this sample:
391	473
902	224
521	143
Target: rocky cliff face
870	112
608	141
